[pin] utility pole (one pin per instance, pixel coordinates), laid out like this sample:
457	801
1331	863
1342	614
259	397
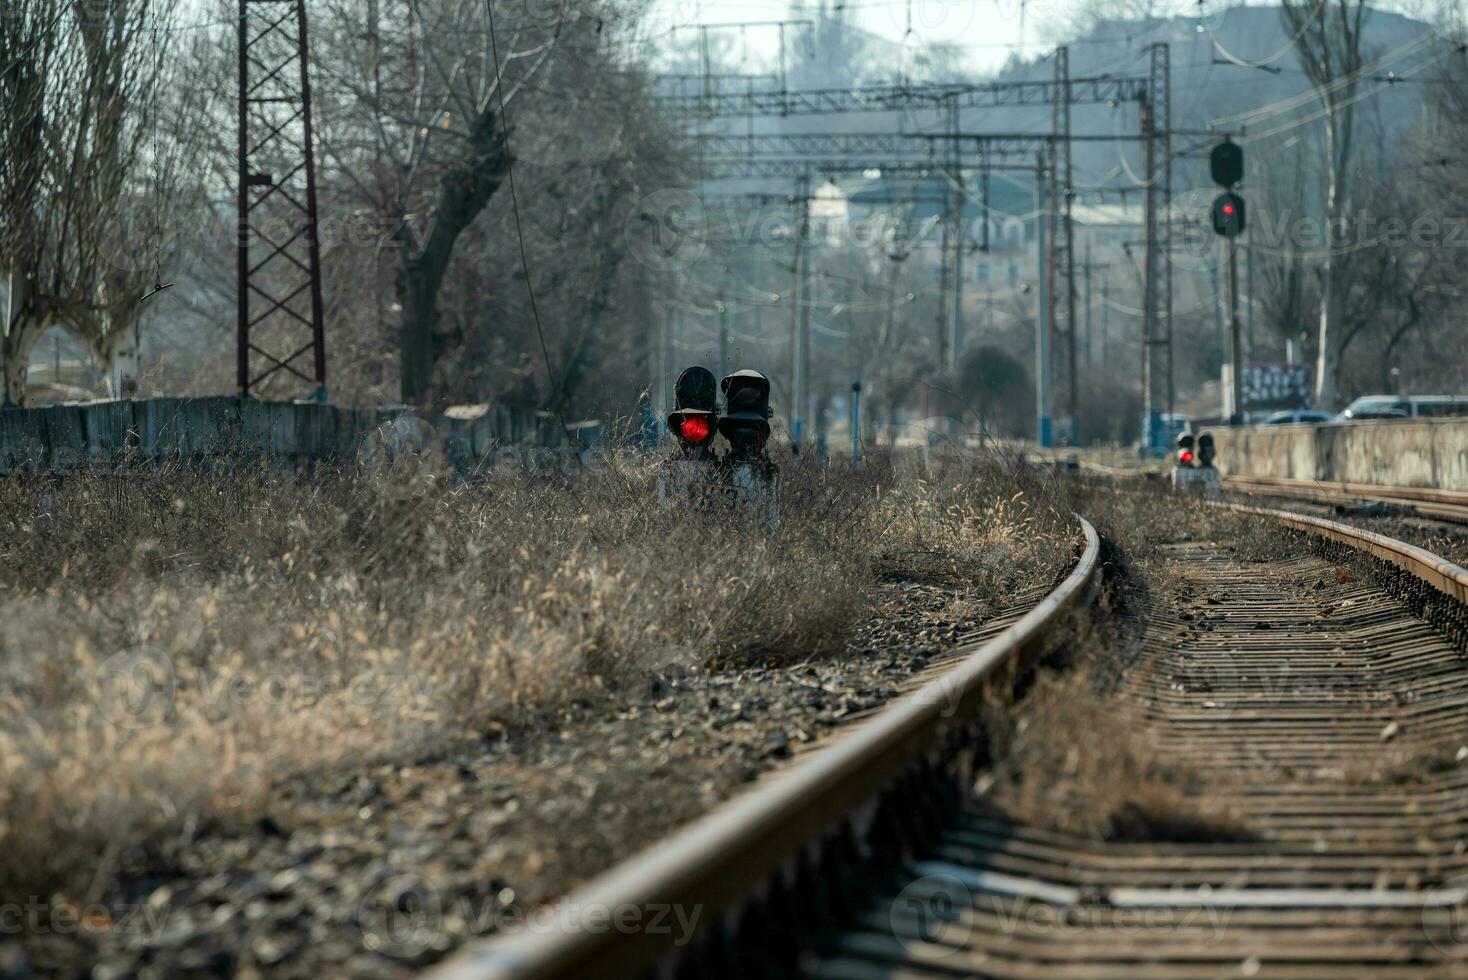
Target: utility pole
955	339
742	26
1106	325
1235	344
1062	244
1150	428
1090	337
808	407
1042	310
799	311
665	361
1249	289
1088	344
940	311
723	336
703	43
1160	92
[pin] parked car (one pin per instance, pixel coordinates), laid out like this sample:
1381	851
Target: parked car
1405	407
1298	415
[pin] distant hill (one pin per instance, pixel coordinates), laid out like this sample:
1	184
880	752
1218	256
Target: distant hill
1208	94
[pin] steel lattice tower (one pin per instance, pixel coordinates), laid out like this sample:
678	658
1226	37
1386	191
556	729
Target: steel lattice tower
1157	298
280	328
1061	259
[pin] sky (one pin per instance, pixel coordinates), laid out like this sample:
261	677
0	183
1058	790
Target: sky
987	32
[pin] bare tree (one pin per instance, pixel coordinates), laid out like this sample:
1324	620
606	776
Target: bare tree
413	135
438	136
144	158
1327	37
83	83
39	67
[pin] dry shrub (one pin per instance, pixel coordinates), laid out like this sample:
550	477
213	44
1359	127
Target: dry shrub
1078	754
973	520
1080	759
179	645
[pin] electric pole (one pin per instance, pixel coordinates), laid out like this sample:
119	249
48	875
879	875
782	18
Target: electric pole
1042	309
800	307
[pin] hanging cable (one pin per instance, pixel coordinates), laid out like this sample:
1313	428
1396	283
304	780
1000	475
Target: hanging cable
45	32
158	284
520	233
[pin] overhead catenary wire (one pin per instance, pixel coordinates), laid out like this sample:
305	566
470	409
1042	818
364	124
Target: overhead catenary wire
499	89
1312	93
1232	58
45	33
158	284
1325	110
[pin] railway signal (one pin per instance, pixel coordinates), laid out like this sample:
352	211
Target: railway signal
1228	215
1185	455
1205	450
743	481
695	416
1226	163
1229	222
1226	166
745	424
1194	472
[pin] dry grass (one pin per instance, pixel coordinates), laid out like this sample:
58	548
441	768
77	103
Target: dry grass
180	645
1079	758
1078	754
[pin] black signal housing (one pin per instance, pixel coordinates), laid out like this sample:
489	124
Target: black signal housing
1206	451
1185	454
695	416
745	423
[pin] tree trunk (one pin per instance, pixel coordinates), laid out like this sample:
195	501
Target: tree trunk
1328	356
25	321
119	359
464	193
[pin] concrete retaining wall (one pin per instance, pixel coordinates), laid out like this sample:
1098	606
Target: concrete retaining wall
1404	453
60	437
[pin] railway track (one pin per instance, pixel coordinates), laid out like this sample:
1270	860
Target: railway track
1450	506
1328	707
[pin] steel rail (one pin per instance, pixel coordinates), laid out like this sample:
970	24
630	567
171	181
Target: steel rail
1449	505
724	858
1439	573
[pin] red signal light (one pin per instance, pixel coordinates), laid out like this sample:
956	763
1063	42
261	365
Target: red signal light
694	429
1228	209
1185	456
